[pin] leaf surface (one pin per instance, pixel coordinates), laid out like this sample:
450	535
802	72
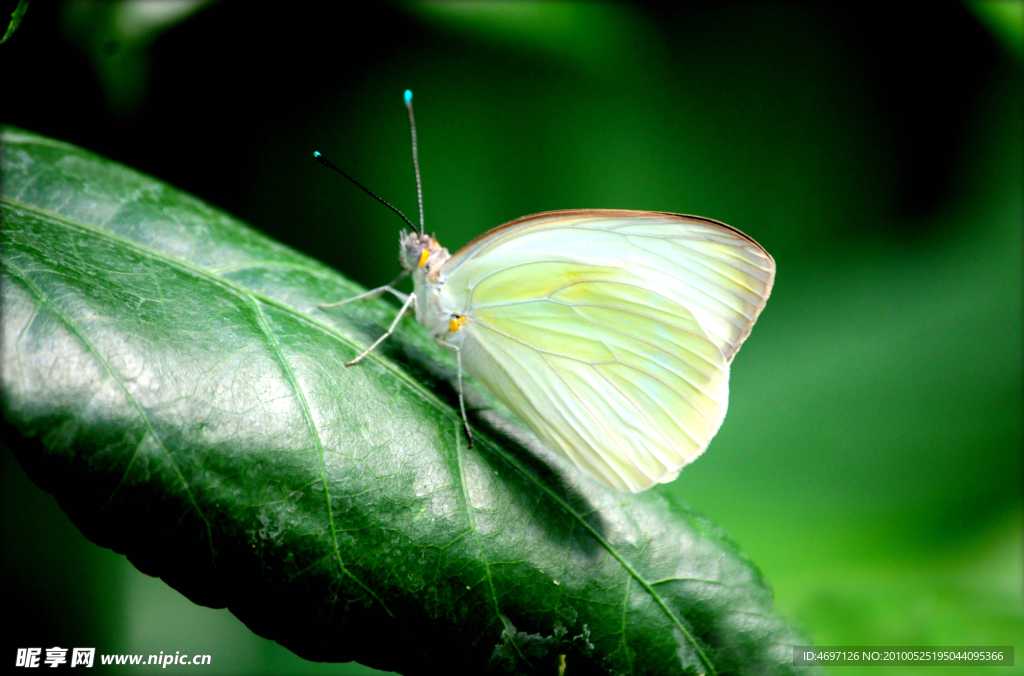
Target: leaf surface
193	411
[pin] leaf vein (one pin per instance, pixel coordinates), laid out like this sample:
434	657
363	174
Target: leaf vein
476	535
307	414
73	327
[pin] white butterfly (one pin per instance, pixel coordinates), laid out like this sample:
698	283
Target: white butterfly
609	332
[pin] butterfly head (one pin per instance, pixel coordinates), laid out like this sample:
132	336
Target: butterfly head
420	252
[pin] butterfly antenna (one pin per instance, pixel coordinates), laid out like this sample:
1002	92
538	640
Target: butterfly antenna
324	161
415	157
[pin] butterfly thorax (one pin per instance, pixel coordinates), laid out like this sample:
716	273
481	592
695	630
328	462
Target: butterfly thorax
424	257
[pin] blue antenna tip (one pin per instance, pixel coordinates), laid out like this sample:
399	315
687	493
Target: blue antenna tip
408	97
316	153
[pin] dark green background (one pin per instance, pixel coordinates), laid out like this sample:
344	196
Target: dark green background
871	460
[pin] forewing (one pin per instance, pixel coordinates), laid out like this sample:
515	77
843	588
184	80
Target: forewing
611	333
720	275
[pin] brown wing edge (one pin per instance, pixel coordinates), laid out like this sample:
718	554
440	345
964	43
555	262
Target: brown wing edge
569	213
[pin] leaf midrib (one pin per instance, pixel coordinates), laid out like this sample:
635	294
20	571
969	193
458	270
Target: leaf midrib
413	385
307	414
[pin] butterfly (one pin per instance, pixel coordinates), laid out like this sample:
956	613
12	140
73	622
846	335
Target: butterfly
610	333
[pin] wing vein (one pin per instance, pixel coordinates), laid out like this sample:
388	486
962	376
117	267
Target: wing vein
595	417
601	305
599	281
644	342
640	410
490	274
544	353
654	377
680	240
696	261
576	359
702	291
487	326
569	450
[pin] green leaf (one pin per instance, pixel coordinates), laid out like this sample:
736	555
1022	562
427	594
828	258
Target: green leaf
16	16
118	37
1005	20
193	412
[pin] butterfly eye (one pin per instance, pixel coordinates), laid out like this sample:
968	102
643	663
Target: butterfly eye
423	257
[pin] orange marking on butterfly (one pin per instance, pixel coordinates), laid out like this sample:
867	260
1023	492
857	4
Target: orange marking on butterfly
423	257
456	323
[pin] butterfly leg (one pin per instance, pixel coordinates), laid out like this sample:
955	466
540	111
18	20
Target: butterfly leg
409	301
387	288
462	400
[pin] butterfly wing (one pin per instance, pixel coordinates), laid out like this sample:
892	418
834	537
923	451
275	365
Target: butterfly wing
610	333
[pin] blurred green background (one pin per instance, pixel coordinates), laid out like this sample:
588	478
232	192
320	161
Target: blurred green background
871	461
